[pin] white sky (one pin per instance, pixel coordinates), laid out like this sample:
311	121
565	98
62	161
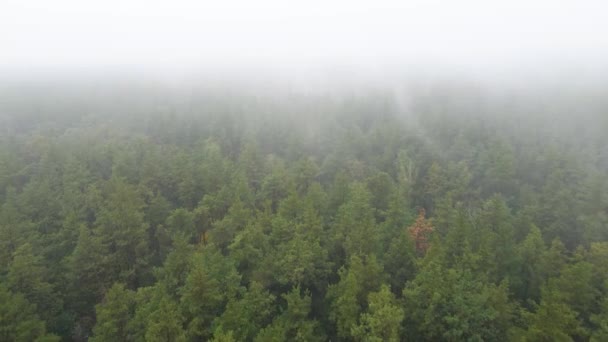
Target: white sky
83	33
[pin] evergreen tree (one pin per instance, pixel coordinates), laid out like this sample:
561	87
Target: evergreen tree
382	321
19	321
28	276
247	315
114	314
123	231
348	298
211	283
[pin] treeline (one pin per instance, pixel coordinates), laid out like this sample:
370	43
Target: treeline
235	217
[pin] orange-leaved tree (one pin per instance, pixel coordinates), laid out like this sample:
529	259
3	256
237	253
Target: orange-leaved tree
420	232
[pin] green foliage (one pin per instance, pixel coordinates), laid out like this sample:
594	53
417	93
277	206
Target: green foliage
121	227
181	223
114	314
15	229
19	321
495	241
400	260
348	297
221	336
211	283
176	268
29	277
382	321
553	320
236	216
165	323
531	251
450	304
86	267
293	324
246	315
600	320
356	231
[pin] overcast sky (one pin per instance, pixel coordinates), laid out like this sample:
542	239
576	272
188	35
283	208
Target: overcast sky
148	33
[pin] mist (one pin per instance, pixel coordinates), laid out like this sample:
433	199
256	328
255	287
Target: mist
314	47
314	171
190	34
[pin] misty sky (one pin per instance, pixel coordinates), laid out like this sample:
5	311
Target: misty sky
75	33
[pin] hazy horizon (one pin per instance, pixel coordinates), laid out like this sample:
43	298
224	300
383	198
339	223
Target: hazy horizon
470	37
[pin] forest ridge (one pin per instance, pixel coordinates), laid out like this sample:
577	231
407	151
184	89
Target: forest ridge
439	213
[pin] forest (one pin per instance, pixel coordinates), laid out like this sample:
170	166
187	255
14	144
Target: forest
439	211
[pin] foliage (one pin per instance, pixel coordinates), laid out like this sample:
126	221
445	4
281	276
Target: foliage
237	216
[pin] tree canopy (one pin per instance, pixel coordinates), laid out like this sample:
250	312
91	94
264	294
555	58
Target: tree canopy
236	216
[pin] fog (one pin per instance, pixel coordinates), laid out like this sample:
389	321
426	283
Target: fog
173	37
273	170
493	51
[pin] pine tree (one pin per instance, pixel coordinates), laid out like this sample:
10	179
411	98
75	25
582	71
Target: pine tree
28	276
211	282
247	315
114	314
293	324
19	321
382	321
348	297
123	231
